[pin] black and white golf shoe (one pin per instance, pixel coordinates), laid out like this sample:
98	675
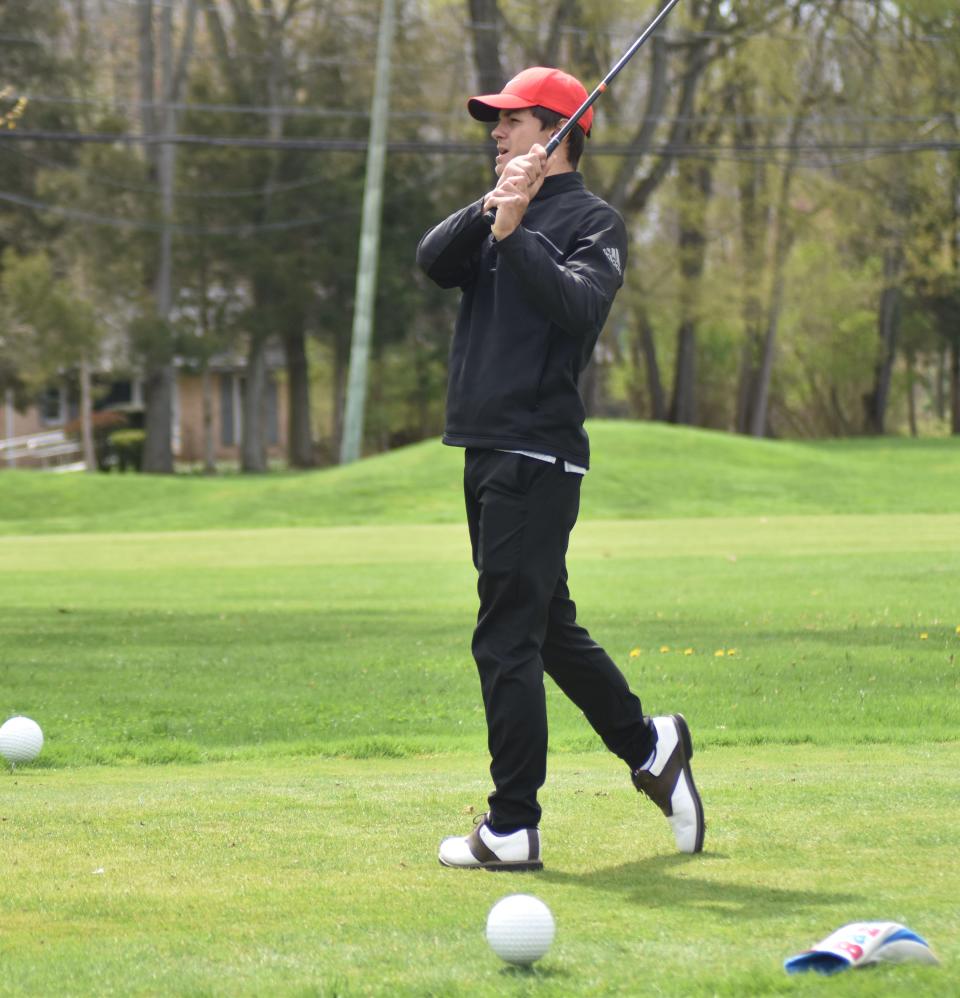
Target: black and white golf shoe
484	849
668	781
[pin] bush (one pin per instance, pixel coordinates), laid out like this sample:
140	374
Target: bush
104	425
127	448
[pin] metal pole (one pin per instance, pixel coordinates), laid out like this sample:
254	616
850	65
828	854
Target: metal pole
352	442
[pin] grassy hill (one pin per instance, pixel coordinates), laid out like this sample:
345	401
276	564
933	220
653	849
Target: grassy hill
640	470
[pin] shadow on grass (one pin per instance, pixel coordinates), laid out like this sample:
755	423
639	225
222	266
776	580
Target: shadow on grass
671	881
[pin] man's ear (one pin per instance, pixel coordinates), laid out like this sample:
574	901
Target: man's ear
564	144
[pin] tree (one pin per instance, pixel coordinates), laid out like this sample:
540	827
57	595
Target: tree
49	328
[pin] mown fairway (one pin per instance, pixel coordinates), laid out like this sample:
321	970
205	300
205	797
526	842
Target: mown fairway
257	735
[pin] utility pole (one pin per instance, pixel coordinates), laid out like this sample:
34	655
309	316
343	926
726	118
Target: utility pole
366	287
159	379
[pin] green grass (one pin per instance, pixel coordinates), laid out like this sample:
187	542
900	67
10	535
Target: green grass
318	877
641	471
209	645
258	734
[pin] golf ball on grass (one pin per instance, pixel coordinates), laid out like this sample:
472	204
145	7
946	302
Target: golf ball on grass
20	740
520	929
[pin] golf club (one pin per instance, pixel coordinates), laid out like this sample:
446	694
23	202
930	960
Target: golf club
490	216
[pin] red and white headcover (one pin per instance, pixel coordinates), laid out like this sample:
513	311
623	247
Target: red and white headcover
860	944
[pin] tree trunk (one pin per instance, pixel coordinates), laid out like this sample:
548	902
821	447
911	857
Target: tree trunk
912	392
683	404
699	54
695	187
299	438
955	386
485	23
784	228
341	361
254	444
8	423
158	404
86	416
752	175
761	398
939	395
658	397
782	244
209	444
875	401
564	14
146	67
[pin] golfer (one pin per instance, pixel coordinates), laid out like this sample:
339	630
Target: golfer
536	289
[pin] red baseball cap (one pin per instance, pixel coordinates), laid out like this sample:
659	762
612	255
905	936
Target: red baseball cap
538	86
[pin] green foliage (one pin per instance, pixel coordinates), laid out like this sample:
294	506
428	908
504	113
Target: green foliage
127	448
48	325
152	339
265	239
103	425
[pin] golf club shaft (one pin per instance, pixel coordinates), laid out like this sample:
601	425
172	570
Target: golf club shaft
571	123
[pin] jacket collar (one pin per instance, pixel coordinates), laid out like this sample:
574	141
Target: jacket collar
559	184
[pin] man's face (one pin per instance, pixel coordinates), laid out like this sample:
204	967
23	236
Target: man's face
516	133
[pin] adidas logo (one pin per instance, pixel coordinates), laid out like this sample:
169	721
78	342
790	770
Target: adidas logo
613	255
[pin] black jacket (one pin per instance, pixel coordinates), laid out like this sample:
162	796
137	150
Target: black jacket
532	308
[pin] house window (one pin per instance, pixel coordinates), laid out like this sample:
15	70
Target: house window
52	405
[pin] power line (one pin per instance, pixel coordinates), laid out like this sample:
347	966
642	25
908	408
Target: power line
362	114
174	5
100	179
285	111
467	148
134	225
243	229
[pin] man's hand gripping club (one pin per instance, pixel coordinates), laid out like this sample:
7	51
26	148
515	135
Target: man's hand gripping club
518	185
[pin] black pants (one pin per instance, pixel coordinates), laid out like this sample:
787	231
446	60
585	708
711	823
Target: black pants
520	512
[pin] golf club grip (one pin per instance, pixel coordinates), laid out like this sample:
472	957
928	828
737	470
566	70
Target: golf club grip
491	216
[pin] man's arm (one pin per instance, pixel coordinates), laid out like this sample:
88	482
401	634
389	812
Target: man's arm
449	253
575	293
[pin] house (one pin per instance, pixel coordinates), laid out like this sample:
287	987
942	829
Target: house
41	435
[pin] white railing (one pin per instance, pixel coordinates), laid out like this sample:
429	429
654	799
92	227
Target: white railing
50	449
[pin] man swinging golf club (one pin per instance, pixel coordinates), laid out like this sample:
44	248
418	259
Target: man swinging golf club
537	287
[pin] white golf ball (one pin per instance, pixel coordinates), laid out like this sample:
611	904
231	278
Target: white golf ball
20	739
520	929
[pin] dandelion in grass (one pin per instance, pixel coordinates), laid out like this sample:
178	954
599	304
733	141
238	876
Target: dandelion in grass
924	636
634	652
687	651
664	649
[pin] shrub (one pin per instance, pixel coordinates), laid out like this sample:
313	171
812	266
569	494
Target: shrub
127	448
104	424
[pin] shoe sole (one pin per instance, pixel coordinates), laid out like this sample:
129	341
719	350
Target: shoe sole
680	721
527	867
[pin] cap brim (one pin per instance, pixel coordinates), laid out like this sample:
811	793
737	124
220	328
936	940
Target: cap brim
489	106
